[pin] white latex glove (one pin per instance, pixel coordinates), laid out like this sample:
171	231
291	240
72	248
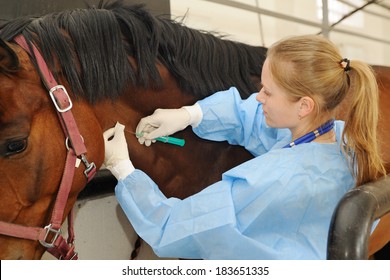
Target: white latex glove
164	122
116	155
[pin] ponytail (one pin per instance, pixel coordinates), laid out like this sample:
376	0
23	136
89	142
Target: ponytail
360	142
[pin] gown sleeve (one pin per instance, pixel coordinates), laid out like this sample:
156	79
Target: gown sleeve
226	117
270	207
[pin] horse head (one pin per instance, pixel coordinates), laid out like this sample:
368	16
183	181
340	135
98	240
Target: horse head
33	150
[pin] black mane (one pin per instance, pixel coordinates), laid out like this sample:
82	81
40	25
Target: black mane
92	46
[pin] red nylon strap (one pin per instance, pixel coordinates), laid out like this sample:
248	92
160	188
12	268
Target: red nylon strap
49	236
56	245
63	105
65	250
60	98
91	173
19	231
62	250
64	190
71	227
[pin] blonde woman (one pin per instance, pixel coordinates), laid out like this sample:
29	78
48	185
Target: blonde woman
279	204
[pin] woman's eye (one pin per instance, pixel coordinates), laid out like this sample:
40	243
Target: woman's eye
16	146
265	91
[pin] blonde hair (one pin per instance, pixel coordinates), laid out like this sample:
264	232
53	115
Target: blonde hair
311	65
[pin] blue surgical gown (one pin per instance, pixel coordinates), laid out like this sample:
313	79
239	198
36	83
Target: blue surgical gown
276	206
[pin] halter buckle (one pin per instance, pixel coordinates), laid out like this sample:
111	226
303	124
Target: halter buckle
58	103
88	167
49	229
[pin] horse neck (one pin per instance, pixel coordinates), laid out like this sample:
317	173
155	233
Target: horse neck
138	102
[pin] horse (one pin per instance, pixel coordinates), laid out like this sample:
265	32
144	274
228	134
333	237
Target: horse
67	77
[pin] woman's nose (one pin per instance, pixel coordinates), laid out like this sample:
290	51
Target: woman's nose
260	96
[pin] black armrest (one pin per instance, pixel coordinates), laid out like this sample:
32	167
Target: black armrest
353	218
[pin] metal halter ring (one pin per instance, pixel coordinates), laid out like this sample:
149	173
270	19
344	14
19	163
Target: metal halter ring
50	243
67	145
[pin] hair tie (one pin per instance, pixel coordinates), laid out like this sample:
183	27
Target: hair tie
345	64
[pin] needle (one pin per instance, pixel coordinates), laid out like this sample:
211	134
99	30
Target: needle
163	139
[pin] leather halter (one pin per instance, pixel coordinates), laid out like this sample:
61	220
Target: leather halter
50	235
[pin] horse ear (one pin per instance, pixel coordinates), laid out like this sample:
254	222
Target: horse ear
9	61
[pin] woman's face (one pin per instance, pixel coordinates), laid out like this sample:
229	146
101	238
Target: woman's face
279	111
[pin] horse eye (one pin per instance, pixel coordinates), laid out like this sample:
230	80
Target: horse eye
16	146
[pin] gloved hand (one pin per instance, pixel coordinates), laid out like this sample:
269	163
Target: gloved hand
116	155
164	122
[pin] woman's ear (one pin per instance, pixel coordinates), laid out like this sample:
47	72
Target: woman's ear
306	106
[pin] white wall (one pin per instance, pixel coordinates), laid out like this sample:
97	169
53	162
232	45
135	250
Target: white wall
245	26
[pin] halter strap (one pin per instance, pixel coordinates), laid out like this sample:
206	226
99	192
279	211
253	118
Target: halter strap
59	96
50	236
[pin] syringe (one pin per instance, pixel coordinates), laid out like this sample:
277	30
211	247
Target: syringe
164	139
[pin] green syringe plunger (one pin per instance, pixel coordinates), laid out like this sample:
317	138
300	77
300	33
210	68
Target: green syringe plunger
171	140
168	139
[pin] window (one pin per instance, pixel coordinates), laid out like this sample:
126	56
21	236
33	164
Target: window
337	9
